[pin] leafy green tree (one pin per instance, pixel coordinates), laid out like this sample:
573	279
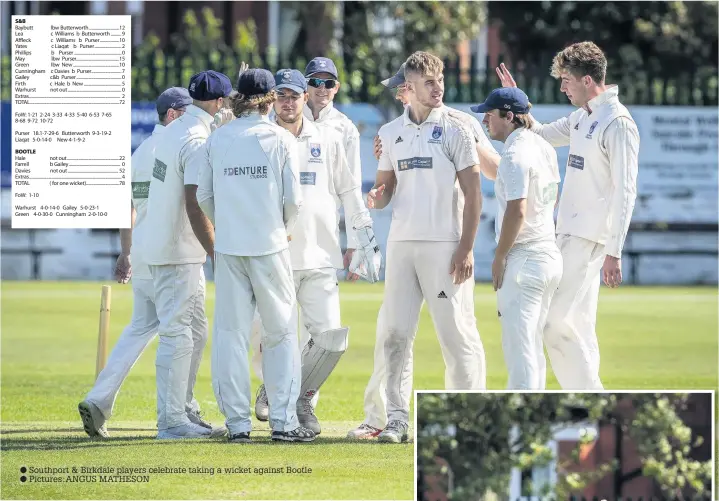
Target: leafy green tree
378	36
673	42
484	436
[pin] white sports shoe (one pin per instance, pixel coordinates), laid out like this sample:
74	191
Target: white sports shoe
92	419
363	432
215	431
190	430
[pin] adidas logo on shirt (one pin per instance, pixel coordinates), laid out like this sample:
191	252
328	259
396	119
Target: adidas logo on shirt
442	295
399	140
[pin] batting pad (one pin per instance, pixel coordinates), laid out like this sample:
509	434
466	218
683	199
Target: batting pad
320	357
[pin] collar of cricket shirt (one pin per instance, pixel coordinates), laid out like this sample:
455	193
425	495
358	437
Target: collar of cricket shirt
596	102
158	128
309	129
201	114
324	112
434	116
513	137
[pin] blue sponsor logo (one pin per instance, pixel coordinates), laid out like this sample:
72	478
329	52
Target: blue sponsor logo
591	129
575	162
414	163
308	178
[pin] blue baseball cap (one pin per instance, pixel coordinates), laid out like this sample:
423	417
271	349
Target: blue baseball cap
321	65
209	85
396	80
176	98
505	98
255	81
291	79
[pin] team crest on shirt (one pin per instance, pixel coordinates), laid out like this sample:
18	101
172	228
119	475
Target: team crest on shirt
591	129
437	132
316	152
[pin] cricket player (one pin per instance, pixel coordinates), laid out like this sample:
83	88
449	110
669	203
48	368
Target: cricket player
326	181
431	238
249	189
375	402
323	85
99	402
176	256
595	207
527	263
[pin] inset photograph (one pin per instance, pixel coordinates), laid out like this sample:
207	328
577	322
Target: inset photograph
565	446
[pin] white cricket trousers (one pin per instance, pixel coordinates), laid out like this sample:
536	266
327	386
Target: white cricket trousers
318	297
417	270
241	284
570	335
134	339
530	279
180	303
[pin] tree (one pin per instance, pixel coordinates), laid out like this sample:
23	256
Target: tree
378	36
642	40
474	433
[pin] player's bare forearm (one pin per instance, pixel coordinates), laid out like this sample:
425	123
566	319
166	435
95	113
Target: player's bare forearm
488	162
201	224
470	184
511	224
389	180
126	234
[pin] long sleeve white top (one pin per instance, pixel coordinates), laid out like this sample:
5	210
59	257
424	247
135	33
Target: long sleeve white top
172	239
329	115
249	186
327	183
600	184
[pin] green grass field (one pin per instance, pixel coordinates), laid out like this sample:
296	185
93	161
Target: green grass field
650	338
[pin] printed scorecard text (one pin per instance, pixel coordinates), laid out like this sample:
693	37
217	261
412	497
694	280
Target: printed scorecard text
71	129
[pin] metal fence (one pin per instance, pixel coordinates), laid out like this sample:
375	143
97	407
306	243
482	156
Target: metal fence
154	71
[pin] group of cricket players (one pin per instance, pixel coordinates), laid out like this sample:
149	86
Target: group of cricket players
255	176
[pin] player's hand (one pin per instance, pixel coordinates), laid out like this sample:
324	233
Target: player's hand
498	266
243	67
377	147
373	194
123	269
222	117
346	260
505	77
462	266
612	271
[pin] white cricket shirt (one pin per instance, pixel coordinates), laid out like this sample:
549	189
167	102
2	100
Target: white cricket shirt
329	115
528	169
327	183
170	238
142	162
426	204
249	186
600	184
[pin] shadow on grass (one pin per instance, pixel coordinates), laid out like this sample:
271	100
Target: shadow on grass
70	430
70	443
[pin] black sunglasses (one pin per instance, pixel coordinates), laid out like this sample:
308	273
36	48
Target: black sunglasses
329	83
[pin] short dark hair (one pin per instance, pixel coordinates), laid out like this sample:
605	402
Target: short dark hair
520	119
581	59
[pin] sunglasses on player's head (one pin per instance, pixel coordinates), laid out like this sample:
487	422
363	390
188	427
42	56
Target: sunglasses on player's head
329	83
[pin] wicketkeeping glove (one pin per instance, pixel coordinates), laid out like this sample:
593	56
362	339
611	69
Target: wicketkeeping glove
367	258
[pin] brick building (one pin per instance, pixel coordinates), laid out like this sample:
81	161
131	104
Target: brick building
610	443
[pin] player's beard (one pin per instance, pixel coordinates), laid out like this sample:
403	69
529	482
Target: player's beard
293	120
